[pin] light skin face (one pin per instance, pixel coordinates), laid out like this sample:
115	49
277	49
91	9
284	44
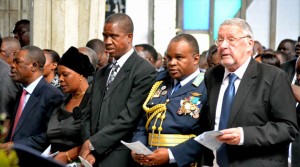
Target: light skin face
69	80
181	60
117	42
235	54
22	68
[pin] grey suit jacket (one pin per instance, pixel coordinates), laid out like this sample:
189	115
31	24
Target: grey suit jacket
8	89
114	115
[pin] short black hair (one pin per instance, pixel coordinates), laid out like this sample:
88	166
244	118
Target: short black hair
54	55
24	22
97	45
150	49
35	54
189	39
124	22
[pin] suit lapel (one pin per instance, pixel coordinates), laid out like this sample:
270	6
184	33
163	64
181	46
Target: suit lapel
122	74
97	94
245	86
217	80
32	101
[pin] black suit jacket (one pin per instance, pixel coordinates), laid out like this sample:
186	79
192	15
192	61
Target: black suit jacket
32	126
264	107
289	68
114	115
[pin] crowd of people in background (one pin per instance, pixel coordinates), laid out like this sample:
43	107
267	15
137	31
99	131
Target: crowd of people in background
85	101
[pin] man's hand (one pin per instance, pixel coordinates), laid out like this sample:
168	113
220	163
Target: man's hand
230	136
159	157
91	159
6	146
85	149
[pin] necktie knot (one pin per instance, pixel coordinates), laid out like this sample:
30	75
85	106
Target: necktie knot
176	87
232	77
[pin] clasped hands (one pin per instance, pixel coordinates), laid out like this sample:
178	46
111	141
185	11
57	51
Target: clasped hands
159	157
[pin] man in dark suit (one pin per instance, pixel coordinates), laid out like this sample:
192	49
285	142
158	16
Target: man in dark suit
289	66
118	92
260	121
8	89
30	119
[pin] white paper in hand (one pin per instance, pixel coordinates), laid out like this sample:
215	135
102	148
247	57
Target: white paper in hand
138	147
47	154
208	139
84	162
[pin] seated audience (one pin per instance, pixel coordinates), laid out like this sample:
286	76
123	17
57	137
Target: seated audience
64	129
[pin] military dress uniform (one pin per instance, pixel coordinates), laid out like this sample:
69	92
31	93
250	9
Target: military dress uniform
172	118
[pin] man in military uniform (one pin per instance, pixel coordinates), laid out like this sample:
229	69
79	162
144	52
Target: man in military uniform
173	107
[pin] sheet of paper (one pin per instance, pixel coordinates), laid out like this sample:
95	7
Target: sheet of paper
74	164
138	147
208	139
47	152
84	162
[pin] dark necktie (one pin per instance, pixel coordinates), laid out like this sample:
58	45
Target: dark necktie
176	87
19	112
113	74
222	157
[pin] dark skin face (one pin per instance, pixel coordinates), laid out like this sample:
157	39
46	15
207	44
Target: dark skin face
69	80
22	68
287	48
22	34
182	61
117	42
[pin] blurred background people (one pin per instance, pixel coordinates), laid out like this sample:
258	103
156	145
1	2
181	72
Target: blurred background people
270	59
8	88
98	46
213	58
21	32
287	46
50	67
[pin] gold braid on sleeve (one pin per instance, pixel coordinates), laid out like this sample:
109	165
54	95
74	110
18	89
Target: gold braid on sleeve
155	110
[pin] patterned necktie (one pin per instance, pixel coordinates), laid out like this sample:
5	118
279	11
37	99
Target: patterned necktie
222	157
19	112
113	74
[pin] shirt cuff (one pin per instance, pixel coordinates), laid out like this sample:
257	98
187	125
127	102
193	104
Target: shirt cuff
171	157
242	136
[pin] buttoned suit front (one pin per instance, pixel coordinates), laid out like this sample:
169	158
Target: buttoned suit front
114	114
264	107
32	125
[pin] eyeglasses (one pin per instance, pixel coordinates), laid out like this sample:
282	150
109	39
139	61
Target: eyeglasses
231	41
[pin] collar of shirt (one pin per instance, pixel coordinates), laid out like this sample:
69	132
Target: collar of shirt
188	79
240	71
32	86
124	58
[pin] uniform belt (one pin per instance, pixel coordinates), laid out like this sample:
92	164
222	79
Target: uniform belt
167	140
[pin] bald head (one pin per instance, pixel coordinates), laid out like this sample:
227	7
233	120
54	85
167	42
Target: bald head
91	54
8	47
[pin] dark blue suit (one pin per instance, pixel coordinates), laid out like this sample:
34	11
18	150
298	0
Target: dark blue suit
174	123
32	126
